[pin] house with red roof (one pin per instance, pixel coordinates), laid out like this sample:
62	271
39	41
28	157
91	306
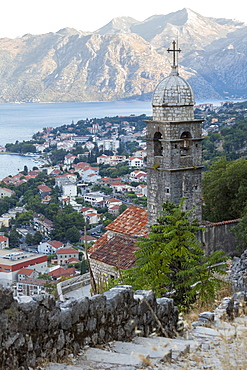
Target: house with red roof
44	190
90	215
64	254
4	192
26	273
115	250
138	175
50	246
135	162
113	205
4	242
69	159
141	190
62	272
89	239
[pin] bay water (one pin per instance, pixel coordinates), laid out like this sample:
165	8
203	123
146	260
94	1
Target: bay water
19	121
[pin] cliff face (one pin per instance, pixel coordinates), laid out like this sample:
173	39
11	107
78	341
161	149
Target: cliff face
124	59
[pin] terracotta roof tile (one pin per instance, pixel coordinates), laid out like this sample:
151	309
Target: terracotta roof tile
25	271
133	222
98	243
208	223
62	272
118	252
55	243
66	250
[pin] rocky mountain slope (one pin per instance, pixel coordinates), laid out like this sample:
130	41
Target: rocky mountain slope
126	59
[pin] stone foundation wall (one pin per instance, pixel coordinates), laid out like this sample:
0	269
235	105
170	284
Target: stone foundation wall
44	329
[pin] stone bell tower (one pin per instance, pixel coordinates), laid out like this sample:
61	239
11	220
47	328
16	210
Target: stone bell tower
174	151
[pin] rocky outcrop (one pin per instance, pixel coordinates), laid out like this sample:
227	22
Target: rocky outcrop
43	329
238	272
125	59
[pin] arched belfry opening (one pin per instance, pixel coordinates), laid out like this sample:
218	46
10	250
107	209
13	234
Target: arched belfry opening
158	147
186	143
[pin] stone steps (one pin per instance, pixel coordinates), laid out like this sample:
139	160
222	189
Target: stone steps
141	352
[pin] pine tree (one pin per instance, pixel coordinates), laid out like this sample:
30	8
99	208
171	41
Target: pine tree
171	260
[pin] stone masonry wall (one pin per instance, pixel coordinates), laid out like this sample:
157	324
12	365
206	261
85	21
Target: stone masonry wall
218	236
44	329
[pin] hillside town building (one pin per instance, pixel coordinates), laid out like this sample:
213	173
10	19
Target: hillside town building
14	260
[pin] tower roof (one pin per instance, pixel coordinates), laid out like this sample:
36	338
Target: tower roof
173	90
173	98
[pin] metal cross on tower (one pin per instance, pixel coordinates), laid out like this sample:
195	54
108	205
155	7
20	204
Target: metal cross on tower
174	50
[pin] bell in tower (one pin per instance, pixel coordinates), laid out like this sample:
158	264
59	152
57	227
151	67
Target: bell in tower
174	152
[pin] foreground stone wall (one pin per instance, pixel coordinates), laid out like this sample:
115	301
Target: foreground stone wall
44	329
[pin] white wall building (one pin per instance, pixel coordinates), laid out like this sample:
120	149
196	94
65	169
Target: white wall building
135	162
93	198
15	260
108	144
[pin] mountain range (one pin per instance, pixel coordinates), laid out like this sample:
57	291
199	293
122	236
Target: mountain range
126	59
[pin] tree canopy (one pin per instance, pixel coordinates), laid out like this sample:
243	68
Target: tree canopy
225	190
171	259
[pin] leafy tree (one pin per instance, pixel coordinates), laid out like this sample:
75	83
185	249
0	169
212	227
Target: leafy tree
240	232
225	190
23	147
29	239
14	238
37	238
24	218
72	234
45	276
84	267
171	259
122	208
66	219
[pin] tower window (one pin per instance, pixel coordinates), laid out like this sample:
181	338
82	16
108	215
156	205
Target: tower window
186	143
158	148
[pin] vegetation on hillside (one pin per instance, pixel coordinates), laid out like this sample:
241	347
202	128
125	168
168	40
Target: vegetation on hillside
225	190
230	142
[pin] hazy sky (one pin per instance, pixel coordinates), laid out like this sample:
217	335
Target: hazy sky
19	17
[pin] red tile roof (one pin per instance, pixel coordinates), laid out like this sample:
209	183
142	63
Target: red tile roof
25	271
117	252
133	222
66	250
44	188
98	243
73	259
55	243
88	238
62	272
208	223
